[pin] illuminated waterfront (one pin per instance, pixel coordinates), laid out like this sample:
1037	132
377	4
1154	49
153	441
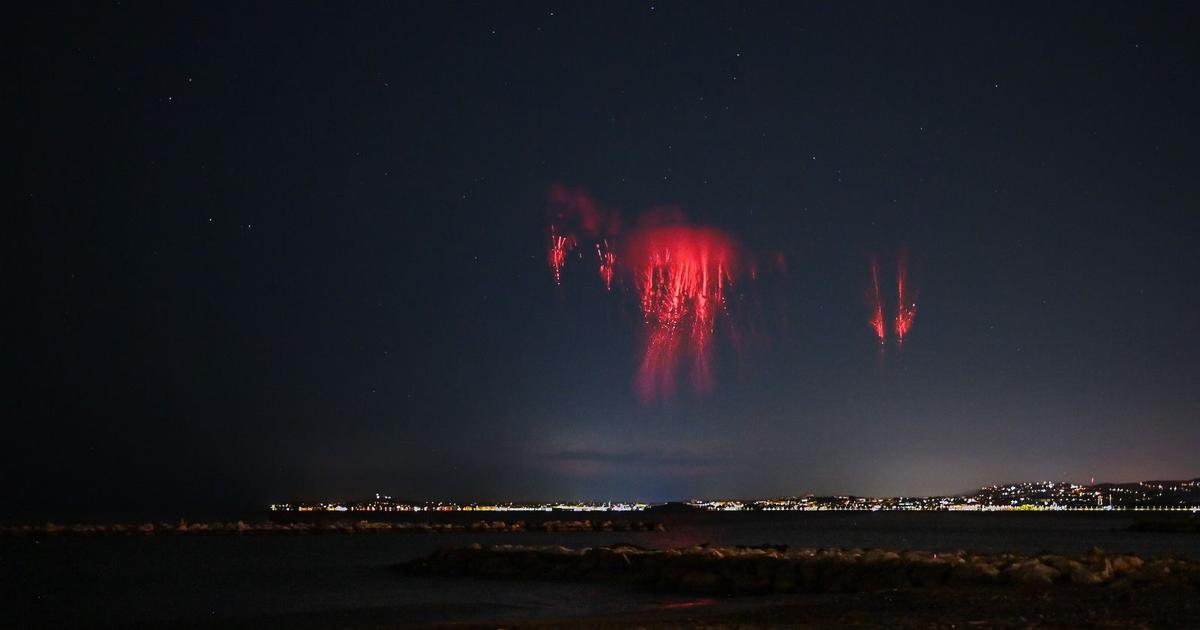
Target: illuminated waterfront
1030	496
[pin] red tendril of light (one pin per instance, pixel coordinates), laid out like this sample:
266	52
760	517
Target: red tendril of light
877	321
906	309
559	246
608	261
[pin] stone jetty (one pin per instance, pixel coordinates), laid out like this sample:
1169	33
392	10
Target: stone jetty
758	570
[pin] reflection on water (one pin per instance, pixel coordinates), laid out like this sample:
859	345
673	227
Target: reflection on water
689	603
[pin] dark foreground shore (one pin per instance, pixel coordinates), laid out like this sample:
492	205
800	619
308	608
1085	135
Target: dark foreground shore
948	607
769	587
344	579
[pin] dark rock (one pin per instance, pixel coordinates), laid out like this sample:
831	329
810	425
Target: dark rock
1033	573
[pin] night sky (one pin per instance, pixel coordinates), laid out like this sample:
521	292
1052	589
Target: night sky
257	254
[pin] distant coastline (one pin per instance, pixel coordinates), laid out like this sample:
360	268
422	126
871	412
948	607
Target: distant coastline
151	528
1153	496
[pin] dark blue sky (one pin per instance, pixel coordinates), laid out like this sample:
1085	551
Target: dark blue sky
265	253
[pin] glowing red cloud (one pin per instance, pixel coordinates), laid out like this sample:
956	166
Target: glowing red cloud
680	273
574	205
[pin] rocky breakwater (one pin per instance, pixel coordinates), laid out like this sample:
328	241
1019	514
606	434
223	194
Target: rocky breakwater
326	527
760	570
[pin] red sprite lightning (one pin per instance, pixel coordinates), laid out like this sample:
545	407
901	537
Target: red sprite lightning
559	246
877	321
906	306
573	211
608	260
680	273
905	309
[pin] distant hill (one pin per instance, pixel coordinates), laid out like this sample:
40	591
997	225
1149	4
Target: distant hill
673	507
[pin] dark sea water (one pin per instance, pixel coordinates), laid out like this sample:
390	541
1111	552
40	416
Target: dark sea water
347	580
